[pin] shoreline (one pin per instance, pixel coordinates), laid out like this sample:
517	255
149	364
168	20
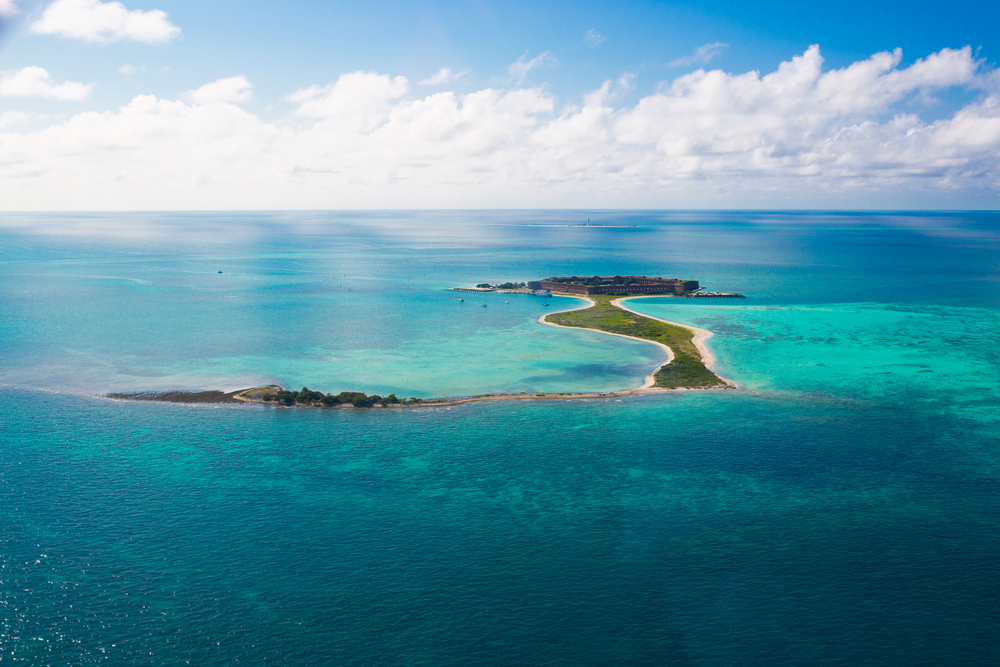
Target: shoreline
650	381
700	335
648	387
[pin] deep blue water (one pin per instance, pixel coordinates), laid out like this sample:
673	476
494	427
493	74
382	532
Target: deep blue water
843	508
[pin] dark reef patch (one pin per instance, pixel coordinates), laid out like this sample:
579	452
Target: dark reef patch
182	396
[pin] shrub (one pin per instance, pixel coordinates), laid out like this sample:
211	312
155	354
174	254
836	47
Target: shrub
362	401
308	397
286	397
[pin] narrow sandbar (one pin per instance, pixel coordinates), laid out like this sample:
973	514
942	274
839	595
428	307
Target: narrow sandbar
700	335
650	382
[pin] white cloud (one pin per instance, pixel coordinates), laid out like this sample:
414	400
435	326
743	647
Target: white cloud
701	56
8	9
13	118
443	76
127	69
520	69
358	102
37	82
626	82
104	22
594	38
234	90
797	136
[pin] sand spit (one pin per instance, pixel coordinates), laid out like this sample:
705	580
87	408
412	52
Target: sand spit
650	382
213	396
701	335
254	394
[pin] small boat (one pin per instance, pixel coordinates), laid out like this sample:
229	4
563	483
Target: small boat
460	300
506	301
484	305
545	304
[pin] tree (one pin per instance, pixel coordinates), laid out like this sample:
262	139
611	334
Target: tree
362	401
308	397
286	397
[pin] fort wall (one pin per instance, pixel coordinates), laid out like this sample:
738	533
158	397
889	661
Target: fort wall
616	285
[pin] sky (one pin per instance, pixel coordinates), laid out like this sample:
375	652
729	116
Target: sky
231	105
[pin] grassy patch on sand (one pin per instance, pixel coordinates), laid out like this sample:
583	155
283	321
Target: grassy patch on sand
687	368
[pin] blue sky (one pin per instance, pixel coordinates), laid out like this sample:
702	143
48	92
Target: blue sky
558	105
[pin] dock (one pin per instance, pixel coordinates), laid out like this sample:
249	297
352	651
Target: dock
492	290
714	295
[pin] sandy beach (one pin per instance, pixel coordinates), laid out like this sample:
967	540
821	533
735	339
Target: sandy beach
648	386
700	335
650	381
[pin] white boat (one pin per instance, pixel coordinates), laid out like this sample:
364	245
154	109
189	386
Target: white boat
461	299
542	292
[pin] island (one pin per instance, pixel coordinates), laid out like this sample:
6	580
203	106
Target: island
688	364
688	357
622	285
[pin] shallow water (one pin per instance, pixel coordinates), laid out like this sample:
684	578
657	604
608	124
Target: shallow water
861	350
840	509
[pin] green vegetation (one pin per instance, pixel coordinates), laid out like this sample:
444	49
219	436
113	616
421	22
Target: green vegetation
316	398
687	368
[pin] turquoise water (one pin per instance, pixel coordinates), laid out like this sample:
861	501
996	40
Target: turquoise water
336	313
856	350
842	508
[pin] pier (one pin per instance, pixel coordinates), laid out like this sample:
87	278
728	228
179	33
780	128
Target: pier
714	295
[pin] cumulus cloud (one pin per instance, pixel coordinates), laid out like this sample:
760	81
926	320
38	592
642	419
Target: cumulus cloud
356	102
443	76
8	9
234	90
701	56
13	118
800	134
104	22
37	82
520	69
594	38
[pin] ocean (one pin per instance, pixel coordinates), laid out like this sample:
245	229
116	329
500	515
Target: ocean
842	507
